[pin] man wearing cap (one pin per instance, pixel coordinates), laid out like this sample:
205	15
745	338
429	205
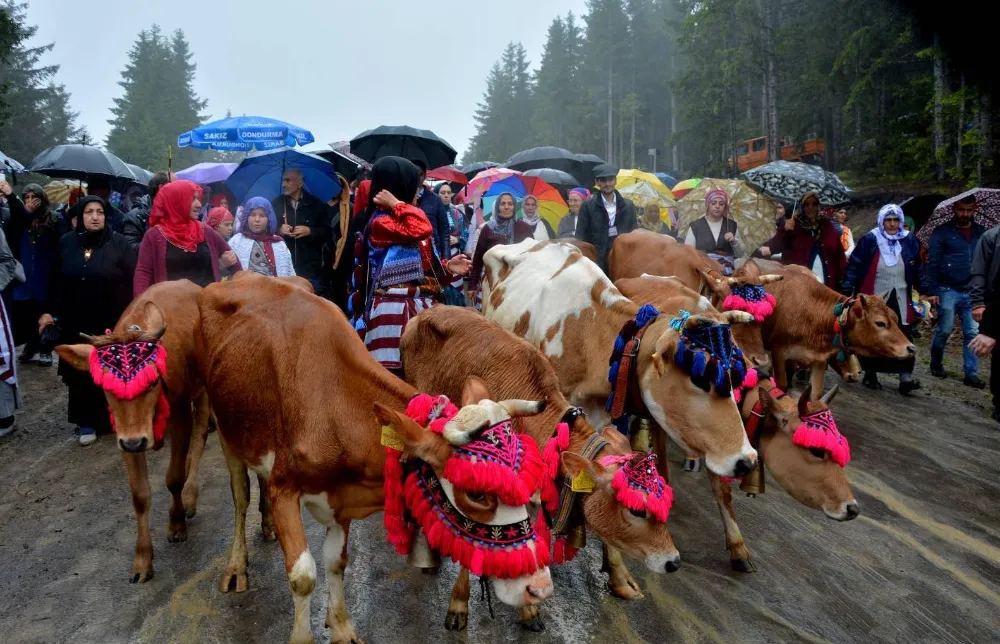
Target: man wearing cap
605	215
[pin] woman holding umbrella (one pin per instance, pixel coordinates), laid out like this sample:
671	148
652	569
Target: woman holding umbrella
811	240
177	245
715	233
398	272
886	261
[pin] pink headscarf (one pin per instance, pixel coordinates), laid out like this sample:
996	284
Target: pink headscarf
722	195
583	192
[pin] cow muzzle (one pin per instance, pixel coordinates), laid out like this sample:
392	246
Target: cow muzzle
529	590
664	562
133	445
847	511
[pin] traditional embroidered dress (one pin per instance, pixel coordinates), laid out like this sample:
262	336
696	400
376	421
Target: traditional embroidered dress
263	254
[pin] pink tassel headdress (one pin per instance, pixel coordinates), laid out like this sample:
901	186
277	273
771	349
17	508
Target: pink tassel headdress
127	370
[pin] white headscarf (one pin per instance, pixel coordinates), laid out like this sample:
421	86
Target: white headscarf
889	245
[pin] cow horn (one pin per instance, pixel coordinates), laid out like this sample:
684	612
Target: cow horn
768	279
698	321
159	333
804	401
88	339
830	395
885	296
519	408
738	317
462	428
733	281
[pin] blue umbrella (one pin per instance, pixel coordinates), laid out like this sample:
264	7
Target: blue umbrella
260	175
245	133
667	179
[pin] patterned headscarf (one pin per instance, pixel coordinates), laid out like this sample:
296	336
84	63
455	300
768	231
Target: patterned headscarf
888	245
800	216
218	215
718	194
499	225
249	206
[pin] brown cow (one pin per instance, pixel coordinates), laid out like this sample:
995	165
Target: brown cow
300	400
643	251
802	328
442	346
167	315
809	475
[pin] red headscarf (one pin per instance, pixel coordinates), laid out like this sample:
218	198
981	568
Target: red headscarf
172	215
217	200
361	196
218	215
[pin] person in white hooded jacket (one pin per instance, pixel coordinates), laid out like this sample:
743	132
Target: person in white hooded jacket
257	244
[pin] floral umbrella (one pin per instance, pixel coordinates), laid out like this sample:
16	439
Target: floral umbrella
789	180
752	211
551	205
683	187
987	211
646	189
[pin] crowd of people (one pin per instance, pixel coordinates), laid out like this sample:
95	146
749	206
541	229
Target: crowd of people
391	246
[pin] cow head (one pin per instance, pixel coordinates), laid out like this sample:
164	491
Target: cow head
872	329
130	366
808	465
468	480
633	525
688	391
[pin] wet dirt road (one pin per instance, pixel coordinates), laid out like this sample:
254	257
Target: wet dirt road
922	563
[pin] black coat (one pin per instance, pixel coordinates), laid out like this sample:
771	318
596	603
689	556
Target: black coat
307	253
592	225
88	296
137	222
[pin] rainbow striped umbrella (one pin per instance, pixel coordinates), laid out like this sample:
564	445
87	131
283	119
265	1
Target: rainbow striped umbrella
551	205
685	187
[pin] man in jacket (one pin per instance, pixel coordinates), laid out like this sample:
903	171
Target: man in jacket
435	211
983	294
946	280
137	219
605	215
305	225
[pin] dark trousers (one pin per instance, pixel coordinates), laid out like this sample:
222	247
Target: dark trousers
994	376
88	407
24	319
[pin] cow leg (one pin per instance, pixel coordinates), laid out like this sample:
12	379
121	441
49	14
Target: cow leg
458	610
266	518
816	373
779	361
299	563
621	582
199	434
234	577
335	560
138	484
180	441
530	618
739	556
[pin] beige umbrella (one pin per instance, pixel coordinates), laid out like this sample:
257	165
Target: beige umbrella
58	191
753	212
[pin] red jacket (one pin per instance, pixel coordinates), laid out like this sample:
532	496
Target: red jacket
796	247
152	266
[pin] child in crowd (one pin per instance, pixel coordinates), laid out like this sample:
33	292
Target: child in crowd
257	242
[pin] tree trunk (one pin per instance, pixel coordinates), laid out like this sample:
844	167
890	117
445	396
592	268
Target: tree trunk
611	126
674	152
763	105
960	128
938	110
767	41
749	100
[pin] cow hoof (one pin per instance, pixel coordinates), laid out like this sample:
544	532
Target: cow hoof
742	565
267	531
455	621
177	535
535	624
141	577
629	590
190	513
234	581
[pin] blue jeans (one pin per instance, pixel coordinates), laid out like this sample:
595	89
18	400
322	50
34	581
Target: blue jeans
955	303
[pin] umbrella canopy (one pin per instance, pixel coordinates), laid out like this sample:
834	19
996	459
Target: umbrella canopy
553	177
77	161
482	182
987	211
473	169
59	190
921	207
206	173
586	172
142	175
8	164
403	141
546	156
345	163
789	180
681	188
752	211
666	178
645	189
260	175
448	173
245	133
551	205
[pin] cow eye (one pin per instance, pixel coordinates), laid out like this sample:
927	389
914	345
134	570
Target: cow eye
477	497
817	452
640	514
880	324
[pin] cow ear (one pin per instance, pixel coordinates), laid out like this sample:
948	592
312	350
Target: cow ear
76	355
417	441
576	465
766	402
859	306
618	440
717	286
663	354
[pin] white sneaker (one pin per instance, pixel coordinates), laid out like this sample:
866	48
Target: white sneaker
86	436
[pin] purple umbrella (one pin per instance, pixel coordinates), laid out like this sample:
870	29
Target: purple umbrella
205	173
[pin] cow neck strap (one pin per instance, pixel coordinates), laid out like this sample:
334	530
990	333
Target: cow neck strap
623	374
756	418
840	314
567	498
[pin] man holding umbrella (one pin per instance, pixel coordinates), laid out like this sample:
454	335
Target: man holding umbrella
605	215
305	225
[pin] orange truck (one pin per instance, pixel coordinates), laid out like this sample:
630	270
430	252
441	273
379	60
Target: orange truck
753	152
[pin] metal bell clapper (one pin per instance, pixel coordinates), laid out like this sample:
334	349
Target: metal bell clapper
753	483
577	537
422	555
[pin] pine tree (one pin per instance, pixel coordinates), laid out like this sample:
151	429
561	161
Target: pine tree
503	118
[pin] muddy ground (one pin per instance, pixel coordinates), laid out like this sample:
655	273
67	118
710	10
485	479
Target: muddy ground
921	564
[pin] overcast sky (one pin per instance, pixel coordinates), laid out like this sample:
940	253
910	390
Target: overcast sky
332	66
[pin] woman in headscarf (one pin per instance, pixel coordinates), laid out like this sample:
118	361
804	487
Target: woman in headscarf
397	272
541	229
10	400
219	201
221	221
811	240
886	262
91	288
257	244
501	229
458	236
177	246
846	234
651	220
33	234
715	233
567	225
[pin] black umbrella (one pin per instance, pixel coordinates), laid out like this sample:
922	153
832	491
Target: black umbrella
343	163
473	169
546	156
556	178
76	161
920	208
790	180
142	175
589	162
403	141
